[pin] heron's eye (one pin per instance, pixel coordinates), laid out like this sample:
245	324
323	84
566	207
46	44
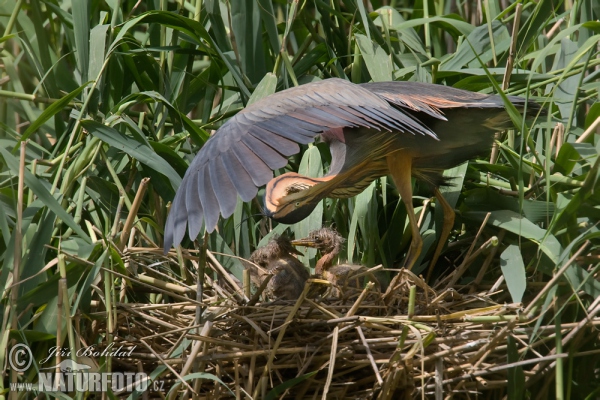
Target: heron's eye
297	204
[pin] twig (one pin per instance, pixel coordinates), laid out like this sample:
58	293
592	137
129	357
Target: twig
192	358
487	262
131	217
589	131
465	264
554	28
168	366
513	48
331	367
223	272
174	295
16	272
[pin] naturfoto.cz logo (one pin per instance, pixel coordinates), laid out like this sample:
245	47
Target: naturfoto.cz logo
72	376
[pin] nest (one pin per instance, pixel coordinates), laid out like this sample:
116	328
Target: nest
407	341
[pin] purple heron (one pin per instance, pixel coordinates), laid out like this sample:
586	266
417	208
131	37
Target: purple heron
404	129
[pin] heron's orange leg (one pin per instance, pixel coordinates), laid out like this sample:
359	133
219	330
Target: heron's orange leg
400	164
449	216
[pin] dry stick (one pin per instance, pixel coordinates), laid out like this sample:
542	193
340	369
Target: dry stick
163	361
481	355
132	271
553	138
507	73
200	279
223	272
250	381
157	282
486	263
554	28
246	283
491	242
369	354
199	316
560	137
16	274
588	132
513	48
454	350
115	226
463	267
423	212
496	285
192	357
260	289
139	196
332	355
165	333
174	295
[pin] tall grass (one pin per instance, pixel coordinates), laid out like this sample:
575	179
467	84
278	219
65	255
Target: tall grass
107	94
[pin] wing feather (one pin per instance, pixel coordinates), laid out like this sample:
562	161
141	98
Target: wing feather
270	156
223	187
256	168
241	179
208	198
176	221
285	146
194	209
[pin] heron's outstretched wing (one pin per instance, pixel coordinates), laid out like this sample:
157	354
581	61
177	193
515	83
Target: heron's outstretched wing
432	99
243	153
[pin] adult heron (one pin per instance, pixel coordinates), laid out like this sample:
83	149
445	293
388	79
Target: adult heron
404	129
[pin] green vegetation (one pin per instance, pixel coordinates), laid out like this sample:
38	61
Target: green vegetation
104	94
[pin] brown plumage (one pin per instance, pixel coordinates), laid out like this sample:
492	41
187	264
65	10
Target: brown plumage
404	129
329	243
289	274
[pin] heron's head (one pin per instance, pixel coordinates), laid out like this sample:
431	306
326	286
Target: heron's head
278	247
288	199
327	240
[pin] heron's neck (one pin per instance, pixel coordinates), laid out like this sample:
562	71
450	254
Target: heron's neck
325	262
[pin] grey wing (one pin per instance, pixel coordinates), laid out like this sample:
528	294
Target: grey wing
242	154
432	99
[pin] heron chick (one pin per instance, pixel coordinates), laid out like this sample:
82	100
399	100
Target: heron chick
329	243
277	258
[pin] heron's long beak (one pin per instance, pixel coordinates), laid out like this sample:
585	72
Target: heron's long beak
306	242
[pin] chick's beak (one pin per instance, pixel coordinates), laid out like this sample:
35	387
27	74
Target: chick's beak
306	242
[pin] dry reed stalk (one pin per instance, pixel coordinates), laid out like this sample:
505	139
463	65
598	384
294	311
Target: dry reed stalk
137	201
